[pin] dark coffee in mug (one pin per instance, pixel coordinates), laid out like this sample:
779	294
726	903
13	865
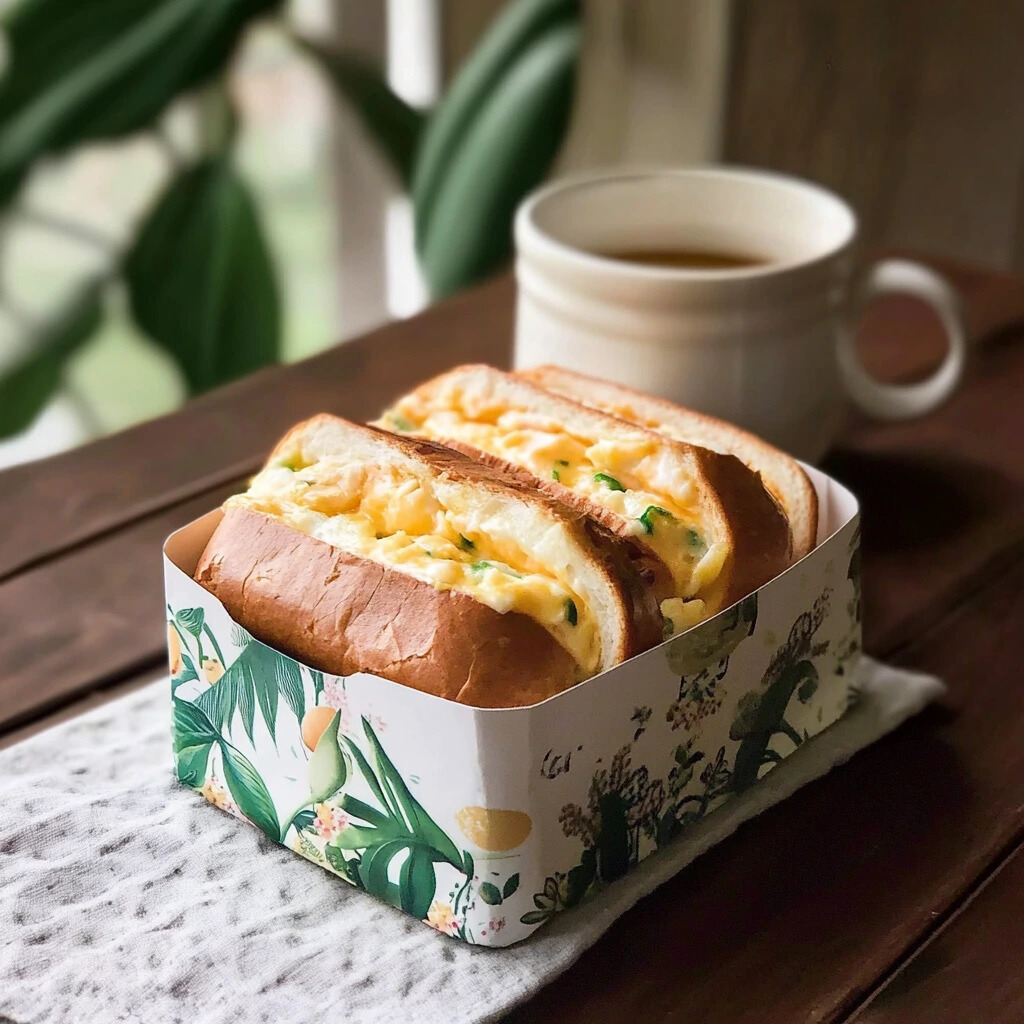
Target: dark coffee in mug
685	259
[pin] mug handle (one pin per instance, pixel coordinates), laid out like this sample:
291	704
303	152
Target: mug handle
904	401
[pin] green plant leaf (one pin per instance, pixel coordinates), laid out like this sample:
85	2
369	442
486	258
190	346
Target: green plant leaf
304	820
289	682
240	637
348	869
97	70
760	714
422	824
318	683
391	123
359	809
191	620
247	708
27	386
355	838
201	281
376	863
190	726
328	769
249	791
490	894
188	672
190	763
506	152
266	694
510	886
368	774
417	881
537	916
257	670
517	26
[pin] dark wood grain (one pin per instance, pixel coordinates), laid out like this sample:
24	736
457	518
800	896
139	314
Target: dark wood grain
971	971
797	915
909	109
89	619
47	507
942	496
802	913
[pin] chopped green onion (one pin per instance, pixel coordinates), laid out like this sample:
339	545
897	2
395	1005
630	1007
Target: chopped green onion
554	475
561	462
571	615
645	519
480	566
694	539
612	483
401	423
465	543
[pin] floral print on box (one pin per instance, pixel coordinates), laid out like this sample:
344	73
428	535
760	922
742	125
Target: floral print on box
485	824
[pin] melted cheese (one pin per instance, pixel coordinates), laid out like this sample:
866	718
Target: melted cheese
386	514
635	477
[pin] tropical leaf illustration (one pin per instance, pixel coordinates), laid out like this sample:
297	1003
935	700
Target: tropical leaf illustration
259	675
397	831
761	715
194	736
188	671
191	620
249	790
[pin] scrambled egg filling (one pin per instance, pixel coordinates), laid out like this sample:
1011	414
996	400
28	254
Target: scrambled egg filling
636	477
385	513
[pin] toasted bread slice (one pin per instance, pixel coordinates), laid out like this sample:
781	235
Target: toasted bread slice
358	550
780	473
705	515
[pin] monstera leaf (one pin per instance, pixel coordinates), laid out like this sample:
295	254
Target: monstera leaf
195	736
397	830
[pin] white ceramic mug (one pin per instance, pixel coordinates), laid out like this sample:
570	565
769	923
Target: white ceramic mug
768	346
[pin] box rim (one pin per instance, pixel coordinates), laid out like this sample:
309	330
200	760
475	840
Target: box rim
812	473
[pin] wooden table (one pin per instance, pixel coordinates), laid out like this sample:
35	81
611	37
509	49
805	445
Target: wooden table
893	889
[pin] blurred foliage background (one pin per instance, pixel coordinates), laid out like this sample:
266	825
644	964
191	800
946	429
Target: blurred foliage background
165	230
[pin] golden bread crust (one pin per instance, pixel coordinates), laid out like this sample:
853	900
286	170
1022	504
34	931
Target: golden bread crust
732	494
345	614
781	474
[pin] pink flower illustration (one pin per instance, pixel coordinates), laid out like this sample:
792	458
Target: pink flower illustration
329	821
334	696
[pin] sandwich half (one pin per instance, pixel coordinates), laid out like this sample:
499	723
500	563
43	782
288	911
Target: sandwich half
358	550
780	473
704	516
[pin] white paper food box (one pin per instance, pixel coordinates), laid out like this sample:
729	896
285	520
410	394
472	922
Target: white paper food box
484	823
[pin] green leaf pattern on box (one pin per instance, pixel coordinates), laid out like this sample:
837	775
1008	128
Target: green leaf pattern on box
309	759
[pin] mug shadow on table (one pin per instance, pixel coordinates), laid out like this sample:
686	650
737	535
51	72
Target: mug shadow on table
918	500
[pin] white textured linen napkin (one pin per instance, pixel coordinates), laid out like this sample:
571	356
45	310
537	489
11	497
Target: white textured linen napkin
125	897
